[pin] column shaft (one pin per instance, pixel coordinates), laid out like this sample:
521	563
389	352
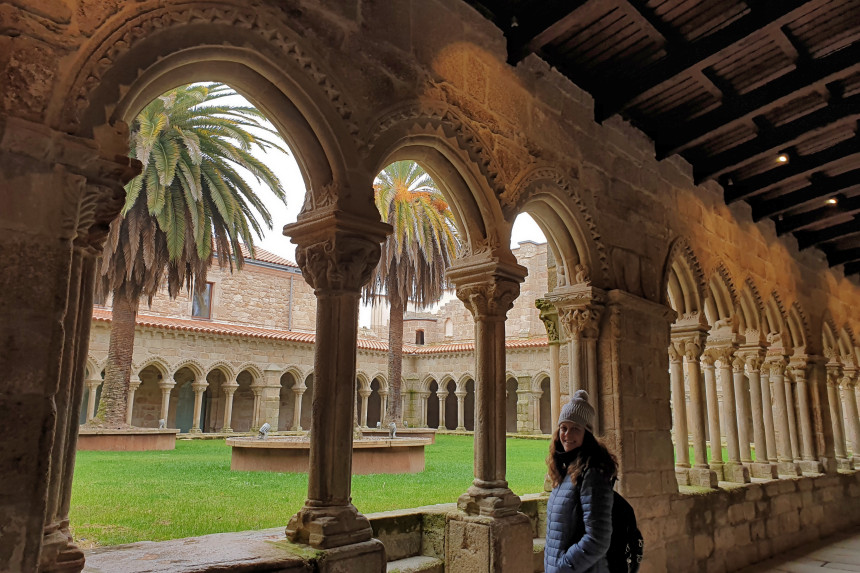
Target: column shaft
803	409
229	391
554	386
768	401
679	410
757	408
853	418
715	435
729	417
297	410
792	419
697	405
742	399
836	416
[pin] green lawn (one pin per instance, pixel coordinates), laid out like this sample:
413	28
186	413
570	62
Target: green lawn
120	497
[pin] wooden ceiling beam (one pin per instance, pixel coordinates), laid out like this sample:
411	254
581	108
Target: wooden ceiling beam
820	186
841	257
851	269
764	15
774	140
799	166
805	78
540	25
793	223
806	239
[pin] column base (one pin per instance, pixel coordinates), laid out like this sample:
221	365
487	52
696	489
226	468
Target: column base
736	472
195	431
227	430
845	464
59	554
704	477
788	469
719	469
682	475
461	429
365	557
829	465
815	466
327	526
477	544
489	499
763	471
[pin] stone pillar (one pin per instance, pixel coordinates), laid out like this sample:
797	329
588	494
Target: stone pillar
793	436
820	411
768	400
734	470
461	409
229	390
365	395
423	397
742	400
383	397
58	193
785	460
337	251
255	412
849	380
714	433
269	407
441	395
809	461
166	386
528	403
761	467
199	388
133	385
579	309
834	375
549	317
488	509
299	391
689	340
93	386
679	416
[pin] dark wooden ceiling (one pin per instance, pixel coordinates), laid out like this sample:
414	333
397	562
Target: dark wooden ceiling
762	96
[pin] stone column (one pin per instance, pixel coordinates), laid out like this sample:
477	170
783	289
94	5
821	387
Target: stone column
834	375
734	470
809	461
133	385
299	391
93	386
488	287
383	397
461	409
714	433
794	439
365	395
229	390
824	449
441	395
255	412
579	309
849	380
549	317
424	398
679	416
761	467
786	464
337	251
199	388
528	403
166	386
689	340
768	400
742	400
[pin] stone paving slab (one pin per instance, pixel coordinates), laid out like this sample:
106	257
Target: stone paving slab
837	553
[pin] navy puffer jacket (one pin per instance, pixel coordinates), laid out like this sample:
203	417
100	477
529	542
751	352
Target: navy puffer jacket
579	525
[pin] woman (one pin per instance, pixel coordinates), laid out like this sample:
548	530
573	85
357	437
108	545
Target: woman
579	511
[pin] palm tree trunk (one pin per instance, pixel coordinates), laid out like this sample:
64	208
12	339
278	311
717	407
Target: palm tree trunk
114	400
395	364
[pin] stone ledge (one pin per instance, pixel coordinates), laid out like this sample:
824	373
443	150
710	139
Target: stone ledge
132	440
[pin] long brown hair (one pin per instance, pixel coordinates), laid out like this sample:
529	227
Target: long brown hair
592	454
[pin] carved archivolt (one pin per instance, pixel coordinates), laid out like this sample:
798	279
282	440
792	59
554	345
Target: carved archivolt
267	24
726	277
682	251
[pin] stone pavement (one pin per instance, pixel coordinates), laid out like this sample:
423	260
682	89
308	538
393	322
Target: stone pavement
840	552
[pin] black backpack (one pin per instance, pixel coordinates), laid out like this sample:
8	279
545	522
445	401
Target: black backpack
626	545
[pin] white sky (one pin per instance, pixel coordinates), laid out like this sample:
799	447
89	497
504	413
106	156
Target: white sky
287	170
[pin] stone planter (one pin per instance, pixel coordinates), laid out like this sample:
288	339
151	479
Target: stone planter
131	440
369	456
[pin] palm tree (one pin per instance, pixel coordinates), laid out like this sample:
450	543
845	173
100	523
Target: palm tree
414	257
188	205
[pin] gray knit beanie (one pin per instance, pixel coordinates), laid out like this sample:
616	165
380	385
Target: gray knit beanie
578	411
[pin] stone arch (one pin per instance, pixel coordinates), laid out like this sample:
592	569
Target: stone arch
847	345
92	368
428	379
362	380
537	379
721	300
750	310
461	382
441	140
225	367
156	362
684	285
830	342
295	372
550	197
511	400
798	328
196	367
383	380
146	50
775	324
252	369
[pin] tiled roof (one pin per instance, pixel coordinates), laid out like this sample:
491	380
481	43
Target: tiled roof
232	329
265	256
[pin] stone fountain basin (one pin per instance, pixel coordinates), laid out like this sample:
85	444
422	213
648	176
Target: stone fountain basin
291	454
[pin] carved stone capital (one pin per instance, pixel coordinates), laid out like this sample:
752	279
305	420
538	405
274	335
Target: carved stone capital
486	285
777	365
200	386
489	301
166	384
229	389
689	345
849	378
549	317
725	355
834	373
581	322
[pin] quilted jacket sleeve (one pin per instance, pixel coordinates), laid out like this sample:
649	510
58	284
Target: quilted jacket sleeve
596	499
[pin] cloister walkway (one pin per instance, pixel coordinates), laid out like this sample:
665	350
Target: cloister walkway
840	552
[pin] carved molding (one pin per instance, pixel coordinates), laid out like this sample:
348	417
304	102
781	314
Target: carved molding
581	322
549	317
490	300
266	24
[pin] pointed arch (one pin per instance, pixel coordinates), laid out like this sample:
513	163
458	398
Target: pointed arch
464	379
383	380
362	380
253	369
684	283
537	379
829	337
225	367
750	313
156	362
798	327
198	369
721	299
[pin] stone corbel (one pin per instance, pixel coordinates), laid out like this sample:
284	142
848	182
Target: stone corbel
549	317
